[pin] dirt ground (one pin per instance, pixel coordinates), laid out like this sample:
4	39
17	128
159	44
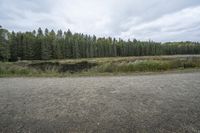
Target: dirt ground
151	103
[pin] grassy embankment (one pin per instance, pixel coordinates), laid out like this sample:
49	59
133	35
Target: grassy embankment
98	66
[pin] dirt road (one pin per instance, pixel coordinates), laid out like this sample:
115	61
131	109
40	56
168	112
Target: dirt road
153	103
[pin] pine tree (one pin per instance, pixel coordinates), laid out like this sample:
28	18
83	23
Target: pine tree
4	45
39	46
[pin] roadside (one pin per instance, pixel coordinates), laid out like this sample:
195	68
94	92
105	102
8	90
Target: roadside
101	66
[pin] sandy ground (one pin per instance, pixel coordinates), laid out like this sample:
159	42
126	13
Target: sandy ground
152	103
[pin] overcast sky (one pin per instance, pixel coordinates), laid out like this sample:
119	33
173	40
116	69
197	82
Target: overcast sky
159	20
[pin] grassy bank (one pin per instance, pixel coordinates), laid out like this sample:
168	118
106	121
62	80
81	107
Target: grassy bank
98	66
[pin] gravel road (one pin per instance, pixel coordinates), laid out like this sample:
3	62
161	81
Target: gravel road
151	103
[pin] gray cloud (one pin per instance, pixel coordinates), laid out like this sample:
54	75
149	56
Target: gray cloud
160	20
181	25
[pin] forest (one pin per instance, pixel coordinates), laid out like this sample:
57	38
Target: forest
47	45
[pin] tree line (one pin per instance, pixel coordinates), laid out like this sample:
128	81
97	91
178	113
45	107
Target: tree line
46	45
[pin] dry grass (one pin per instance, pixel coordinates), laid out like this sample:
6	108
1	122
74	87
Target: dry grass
96	66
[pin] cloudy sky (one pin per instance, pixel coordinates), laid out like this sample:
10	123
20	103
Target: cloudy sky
159	20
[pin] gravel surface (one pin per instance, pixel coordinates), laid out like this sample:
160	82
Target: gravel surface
151	103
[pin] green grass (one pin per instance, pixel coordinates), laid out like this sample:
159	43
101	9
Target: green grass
136	66
8	69
12	69
145	64
103	66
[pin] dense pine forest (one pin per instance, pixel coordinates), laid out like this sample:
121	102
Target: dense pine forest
46	45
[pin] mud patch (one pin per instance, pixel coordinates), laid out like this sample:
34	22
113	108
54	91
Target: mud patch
66	67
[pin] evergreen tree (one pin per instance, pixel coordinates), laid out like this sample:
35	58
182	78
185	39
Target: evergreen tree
39	46
4	45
